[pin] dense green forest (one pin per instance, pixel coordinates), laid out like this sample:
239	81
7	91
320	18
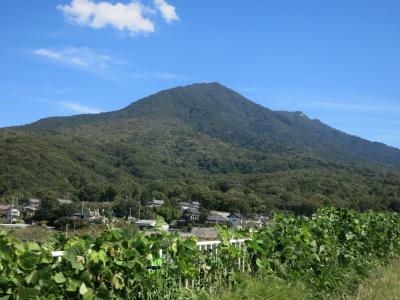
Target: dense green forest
201	142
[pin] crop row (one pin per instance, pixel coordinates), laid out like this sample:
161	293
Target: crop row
119	264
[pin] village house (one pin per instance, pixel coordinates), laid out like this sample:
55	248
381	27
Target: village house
33	203
155	203
218	218
237	220
10	213
191	214
32	206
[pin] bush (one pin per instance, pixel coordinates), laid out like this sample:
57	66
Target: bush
324	250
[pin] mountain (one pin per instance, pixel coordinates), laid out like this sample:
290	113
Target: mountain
201	142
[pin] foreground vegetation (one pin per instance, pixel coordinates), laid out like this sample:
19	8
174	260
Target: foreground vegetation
264	287
383	283
329	252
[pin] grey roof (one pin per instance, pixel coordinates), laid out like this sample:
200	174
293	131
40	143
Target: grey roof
223	214
217	218
192	210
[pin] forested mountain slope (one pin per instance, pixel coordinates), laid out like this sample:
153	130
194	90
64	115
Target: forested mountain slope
202	142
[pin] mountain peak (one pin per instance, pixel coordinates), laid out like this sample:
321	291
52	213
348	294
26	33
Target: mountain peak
209	87
190	133
207	96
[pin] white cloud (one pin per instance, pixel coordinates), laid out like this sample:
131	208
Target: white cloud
167	10
79	57
132	17
78	108
47	53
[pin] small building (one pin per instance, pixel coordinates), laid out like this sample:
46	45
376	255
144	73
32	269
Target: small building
155	203
3	210
34	203
236	220
32	206
191	214
10	213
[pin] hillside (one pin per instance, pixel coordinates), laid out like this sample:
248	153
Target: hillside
202	142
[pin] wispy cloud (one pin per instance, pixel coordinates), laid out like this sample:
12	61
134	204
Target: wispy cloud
78	108
48	53
133	17
103	65
83	58
167	11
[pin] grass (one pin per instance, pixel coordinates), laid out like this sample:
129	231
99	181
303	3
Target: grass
383	284
261	288
42	234
34	233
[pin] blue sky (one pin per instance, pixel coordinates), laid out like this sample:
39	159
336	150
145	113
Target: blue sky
338	61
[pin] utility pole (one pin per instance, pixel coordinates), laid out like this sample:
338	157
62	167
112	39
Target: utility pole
11	211
126	201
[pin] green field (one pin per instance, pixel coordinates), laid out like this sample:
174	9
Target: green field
323	256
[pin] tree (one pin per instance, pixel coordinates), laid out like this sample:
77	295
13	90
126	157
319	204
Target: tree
109	194
123	206
169	212
50	210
